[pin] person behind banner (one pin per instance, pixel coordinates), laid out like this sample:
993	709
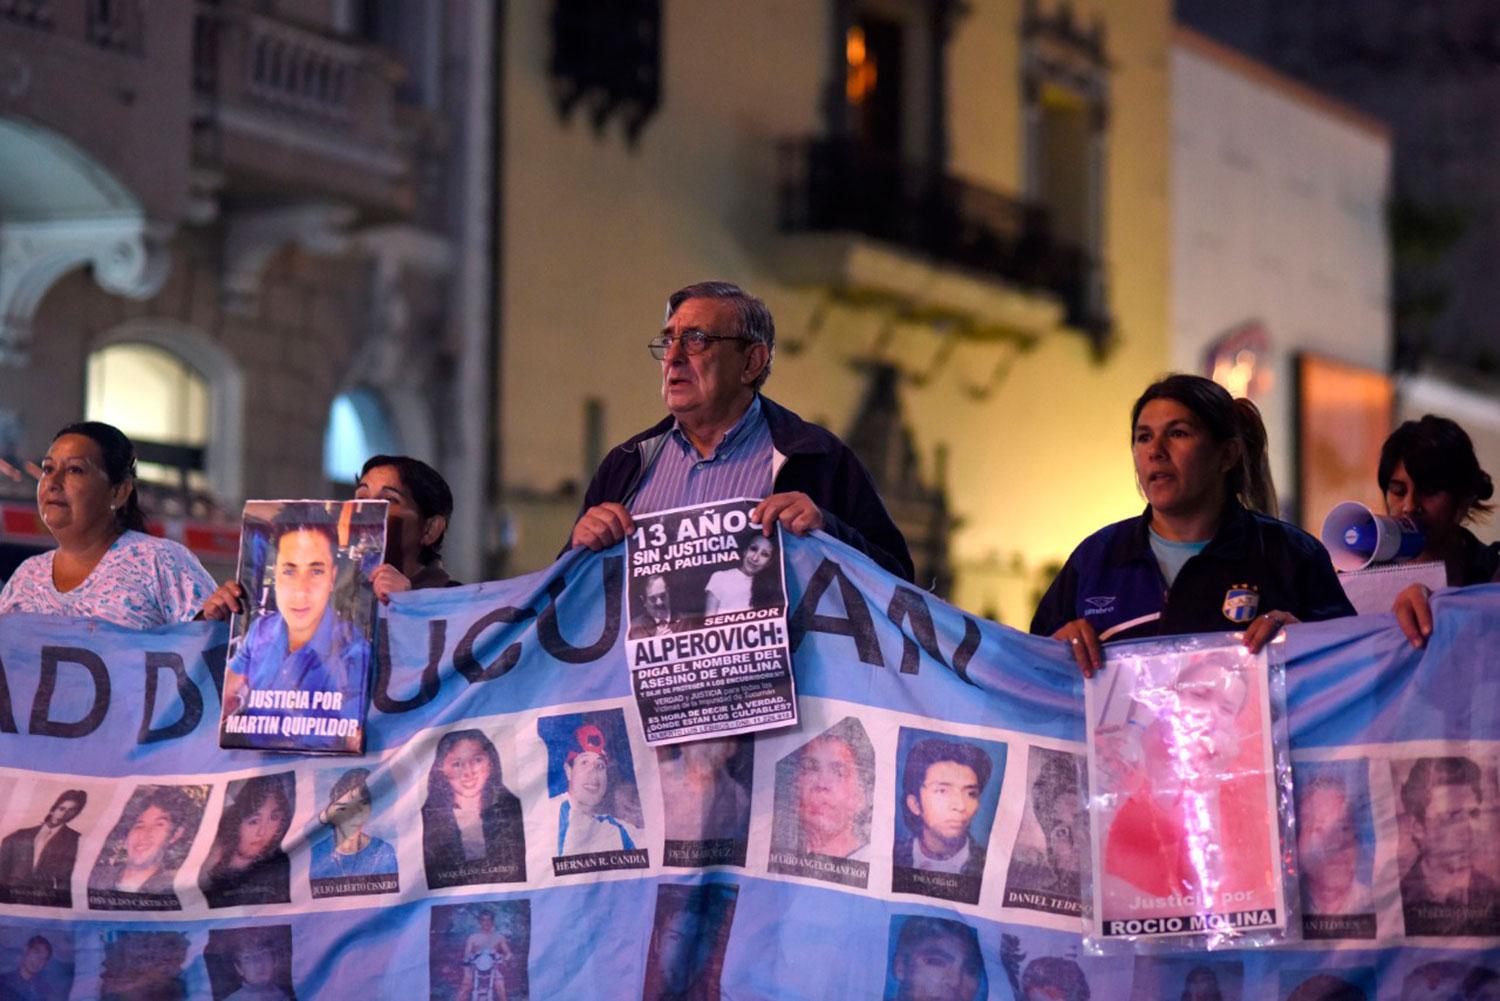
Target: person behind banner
941	788
151	850
582	827
304	645
935	959
471	823
489	950
723	439
734	590
105	566
832	786
1328	849
702	800
39	860
1429	473
655	617
349	850
1189	825
1443	892
143	966
1060	814
28	981
246	864
1208	554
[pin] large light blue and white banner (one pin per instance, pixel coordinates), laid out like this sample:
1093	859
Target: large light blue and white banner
509	834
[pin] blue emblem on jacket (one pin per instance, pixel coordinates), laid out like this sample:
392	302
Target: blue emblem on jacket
1240	603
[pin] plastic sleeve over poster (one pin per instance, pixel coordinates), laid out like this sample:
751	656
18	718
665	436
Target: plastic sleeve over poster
1190	787
707	643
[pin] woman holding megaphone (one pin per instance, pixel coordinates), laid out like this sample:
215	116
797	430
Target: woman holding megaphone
1208	554
1430	474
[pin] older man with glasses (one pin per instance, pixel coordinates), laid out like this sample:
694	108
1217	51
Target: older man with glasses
722	439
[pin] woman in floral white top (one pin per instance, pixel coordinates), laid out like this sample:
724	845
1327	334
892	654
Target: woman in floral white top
105	566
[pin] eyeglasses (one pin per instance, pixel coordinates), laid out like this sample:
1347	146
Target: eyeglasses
694	342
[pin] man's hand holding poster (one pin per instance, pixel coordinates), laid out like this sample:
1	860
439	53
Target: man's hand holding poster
1185	821
707	608
299	656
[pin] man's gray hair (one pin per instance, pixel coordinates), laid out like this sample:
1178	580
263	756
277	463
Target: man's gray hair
754	318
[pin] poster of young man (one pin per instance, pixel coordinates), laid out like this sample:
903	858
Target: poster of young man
933	959
353	845
35	963
1052	840
705	792
1185	826
820	820
706	601
688	940
478	952
146	964
1449	851
1335	849
949	790
596	803
140	858
299	652
37	860
250	964
1190	979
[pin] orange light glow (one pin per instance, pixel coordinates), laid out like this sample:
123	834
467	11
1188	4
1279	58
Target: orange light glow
859	81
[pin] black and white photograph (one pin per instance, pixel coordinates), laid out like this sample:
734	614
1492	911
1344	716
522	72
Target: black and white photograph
250	964
246	863
138	864
37	860
820	823
706	792
1052	840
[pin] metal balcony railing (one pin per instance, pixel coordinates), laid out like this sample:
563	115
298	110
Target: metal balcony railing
829	185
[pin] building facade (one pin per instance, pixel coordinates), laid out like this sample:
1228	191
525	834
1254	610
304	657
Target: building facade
1279	246
242	231
968	201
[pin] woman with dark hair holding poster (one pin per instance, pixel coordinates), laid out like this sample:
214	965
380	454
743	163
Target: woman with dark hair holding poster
1208	554
246	865
105	566
471	823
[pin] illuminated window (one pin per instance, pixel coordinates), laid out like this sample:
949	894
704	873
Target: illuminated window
358	427
873	78
157	399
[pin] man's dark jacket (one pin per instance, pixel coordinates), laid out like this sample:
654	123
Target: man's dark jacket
53	869
817	464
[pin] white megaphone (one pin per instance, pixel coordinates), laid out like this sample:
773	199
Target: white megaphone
1356	537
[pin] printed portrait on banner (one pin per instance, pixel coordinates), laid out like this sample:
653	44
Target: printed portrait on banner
1449	852
1335	848
250	964
1034	977
136	868
246	863
299	657
354	843
948	790
1191	979
143	964
930	958
820	822
689	936
705	791
595	805
1186	834
1333	985
472	830
479	952
37	860
1052	840
36	962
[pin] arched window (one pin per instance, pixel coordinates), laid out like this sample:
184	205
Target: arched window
161	402
358	427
